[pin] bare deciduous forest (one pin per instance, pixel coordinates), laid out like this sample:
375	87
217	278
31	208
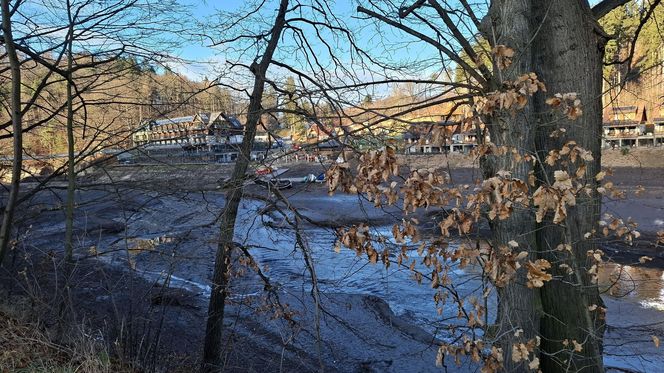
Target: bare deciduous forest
349	186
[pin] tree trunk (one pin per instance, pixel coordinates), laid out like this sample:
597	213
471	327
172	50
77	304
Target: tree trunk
14	65
518	305
71	172
66	307
568	52
555	40
212	359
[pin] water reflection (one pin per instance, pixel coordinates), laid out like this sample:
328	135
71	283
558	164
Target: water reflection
641	284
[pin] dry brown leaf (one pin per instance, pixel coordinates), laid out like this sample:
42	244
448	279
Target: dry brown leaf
534	364
537	273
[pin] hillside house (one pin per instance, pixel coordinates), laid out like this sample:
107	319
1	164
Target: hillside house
209	131
419	139
628	126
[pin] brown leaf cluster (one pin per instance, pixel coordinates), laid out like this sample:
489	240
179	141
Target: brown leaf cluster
358	238
338	175
471	348
522	352
618	228
424	188
501	194
373	172
595	258
503	56
566	187
501	265
537	274
513	97
568	103
568	155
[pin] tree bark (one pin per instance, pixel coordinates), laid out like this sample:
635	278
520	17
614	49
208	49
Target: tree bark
518	306
568	51
66	307
71	172
14	65
212	359
563	44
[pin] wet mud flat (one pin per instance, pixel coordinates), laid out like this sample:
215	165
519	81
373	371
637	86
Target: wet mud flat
145	263
163	327
156	246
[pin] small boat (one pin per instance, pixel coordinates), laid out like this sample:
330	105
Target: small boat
269	172
274	183
264	171
311	178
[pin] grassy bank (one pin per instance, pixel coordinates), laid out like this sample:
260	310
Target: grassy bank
28	347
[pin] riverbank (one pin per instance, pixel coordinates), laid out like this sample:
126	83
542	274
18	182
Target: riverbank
146	252
157	289
162	328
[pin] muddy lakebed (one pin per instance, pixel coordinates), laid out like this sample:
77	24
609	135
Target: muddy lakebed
170	236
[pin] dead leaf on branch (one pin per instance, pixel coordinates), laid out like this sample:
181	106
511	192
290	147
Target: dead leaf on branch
537	273
568	103
503	55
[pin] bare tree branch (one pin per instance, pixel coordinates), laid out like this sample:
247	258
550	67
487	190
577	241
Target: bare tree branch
604	7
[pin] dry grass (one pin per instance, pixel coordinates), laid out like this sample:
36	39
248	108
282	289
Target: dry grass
634	157
27	349
453	160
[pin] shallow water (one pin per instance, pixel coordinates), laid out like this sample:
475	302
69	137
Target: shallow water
345	272
639	284
183	234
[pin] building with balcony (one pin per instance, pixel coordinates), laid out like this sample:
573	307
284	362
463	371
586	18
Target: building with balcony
629	126
419	138
202	131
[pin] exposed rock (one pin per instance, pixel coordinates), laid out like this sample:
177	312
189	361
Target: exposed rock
97	225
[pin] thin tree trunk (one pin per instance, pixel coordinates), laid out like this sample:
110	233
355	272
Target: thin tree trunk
71	172
66	307
212	359
14	65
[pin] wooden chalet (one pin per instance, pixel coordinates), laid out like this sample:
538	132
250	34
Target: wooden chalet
207	131
629	126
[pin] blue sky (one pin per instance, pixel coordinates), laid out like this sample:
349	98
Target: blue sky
365	34
383	42
345	9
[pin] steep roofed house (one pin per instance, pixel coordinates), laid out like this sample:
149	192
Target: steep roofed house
317	132
169	131
202	131
421	137
627	126
224	130
658	126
